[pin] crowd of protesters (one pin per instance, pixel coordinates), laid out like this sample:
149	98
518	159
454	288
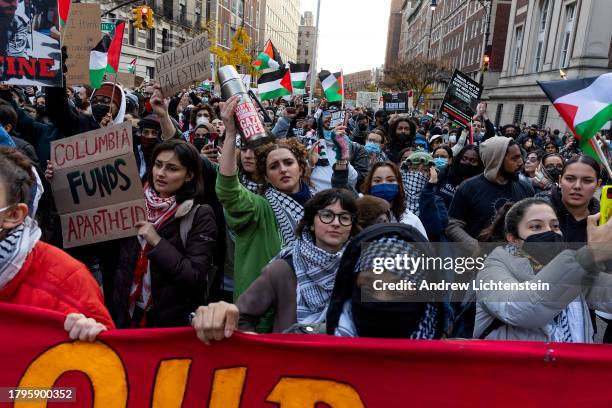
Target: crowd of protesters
270	238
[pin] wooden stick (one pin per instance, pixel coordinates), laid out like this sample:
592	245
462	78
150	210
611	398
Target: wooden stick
602	157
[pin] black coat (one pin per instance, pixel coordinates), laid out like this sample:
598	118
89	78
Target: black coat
179	275
573	231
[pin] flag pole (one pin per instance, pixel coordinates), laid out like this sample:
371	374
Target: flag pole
342	85
602	157
110	104
313	66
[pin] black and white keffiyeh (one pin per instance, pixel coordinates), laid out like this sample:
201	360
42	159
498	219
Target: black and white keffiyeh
15	248
414	182
315	270
288	213
252	186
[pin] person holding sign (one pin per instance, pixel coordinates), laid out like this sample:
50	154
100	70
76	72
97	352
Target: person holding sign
26	262
164	272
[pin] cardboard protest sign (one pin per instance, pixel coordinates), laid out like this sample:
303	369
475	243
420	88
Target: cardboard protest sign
30	44
461	99
184	65
82	34
96	185
337	119
395	102
129	80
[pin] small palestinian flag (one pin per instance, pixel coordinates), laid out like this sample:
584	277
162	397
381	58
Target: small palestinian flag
269	58
585	105
299	74
105	56
132	67
64	12
274	84
332	85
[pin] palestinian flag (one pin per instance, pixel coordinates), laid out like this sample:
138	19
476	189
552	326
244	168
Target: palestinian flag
274	84
299	73
269	58
64	12
105	56
332	85
584	104
132	67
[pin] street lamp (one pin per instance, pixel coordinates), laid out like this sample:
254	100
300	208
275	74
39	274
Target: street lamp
433	8
434	4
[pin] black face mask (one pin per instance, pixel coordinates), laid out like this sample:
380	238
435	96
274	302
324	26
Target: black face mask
363	127
199	143
467	170
41	110
544	247
554	174
403	137
99	110
390	320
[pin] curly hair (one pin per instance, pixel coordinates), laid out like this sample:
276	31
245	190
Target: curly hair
16	175
294	146
194	113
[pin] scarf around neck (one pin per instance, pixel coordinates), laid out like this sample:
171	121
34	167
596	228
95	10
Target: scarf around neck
158	209
414	183
315	270
287	211
15	248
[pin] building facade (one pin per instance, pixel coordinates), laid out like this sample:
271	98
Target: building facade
394	32
281	23
549	40
357	81
307	42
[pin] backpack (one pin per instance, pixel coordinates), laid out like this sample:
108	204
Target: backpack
184	228
345	278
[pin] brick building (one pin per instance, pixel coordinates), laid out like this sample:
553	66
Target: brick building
357	81
394	32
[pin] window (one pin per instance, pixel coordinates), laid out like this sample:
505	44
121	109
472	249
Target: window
567	35
151	39
165	40
542	116
518	114
541	36
518	49
132	35
151	72
498	114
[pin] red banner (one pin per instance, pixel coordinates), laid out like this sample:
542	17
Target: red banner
170	368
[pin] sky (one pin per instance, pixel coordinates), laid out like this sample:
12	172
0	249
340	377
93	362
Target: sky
353	33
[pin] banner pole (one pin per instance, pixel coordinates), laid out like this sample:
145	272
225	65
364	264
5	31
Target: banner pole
602	157
110	104
342	85
313	65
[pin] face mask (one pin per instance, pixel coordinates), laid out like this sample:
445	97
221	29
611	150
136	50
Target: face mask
147	105
201	120
328	134
467	170
372	148
41	110
205	100
98	111
363	127
199	144
440	162
148	144
544	247
386	191
554	174
445	131
452	139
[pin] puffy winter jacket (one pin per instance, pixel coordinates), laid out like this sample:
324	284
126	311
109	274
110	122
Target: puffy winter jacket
52	279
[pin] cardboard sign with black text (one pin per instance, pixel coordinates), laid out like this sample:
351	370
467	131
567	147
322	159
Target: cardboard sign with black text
183	66
337	119
96	185
395	102
461	99
30	44
82	34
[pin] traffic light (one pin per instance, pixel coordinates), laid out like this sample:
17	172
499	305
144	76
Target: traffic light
485	62
147	17
137	18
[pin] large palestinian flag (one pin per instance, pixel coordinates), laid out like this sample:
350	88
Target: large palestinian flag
332	85
268	58
299	74
64	12
274	84
584	104
105	56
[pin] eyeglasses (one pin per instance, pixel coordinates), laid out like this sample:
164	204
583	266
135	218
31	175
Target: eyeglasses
327	217
531	159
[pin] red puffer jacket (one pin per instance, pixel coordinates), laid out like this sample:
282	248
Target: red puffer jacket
52	279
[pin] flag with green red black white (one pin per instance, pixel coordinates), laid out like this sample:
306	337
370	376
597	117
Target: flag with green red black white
332	85
299	74
274	84
585	105
105	56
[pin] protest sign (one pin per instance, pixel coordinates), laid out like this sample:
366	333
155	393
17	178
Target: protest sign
172	368
184	65
128	80
30	44
82	34
337	119
96	185
461	99
395	102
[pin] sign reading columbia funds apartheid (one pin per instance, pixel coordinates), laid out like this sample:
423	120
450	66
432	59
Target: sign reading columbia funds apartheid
30	43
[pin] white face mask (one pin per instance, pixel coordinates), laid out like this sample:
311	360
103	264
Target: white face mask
201	120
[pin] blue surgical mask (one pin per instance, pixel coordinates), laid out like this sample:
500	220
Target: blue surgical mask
386	191
328	134
440	162
372	148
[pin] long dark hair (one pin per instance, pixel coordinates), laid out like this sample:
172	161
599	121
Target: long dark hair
190	158
507	219
321	200
399	204
588	160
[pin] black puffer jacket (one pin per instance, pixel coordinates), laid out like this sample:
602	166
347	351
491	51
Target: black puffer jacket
573	231
179	275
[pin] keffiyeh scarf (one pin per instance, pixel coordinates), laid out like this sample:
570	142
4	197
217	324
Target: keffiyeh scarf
252	186
315	270
287	212
414	182
15	248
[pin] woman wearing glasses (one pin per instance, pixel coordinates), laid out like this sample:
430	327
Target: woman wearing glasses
548	173
298	283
